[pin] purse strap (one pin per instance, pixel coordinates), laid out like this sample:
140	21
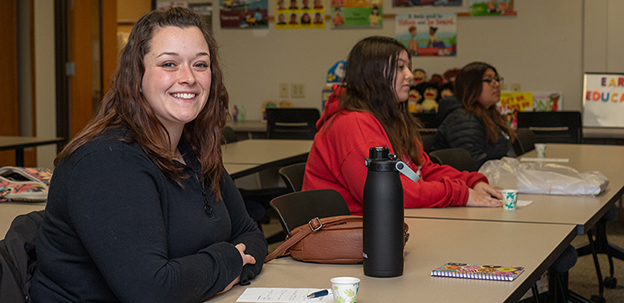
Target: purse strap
314	225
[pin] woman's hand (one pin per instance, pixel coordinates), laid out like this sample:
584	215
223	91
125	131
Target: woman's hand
479	198
488	189
247	259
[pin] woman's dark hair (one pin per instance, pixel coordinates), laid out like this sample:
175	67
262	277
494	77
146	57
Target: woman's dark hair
124	106
468	87
370	77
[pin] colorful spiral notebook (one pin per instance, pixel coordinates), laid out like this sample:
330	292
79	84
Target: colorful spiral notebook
477	271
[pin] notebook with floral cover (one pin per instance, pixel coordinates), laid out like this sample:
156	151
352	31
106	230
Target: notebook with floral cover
478	271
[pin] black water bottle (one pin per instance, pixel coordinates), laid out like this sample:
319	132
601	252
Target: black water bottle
383	216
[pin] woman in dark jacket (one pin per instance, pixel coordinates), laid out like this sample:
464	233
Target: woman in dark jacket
470	119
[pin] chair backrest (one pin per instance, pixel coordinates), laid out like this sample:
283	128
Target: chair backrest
292	123
298	208
17	257
229	135
293	175
525	141
429	120
457	158
553	127
427	140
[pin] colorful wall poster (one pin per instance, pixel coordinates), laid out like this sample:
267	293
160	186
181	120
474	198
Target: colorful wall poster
428	34
603	100
492	8
546	101
356	13
299	14
411	3
204	10
244	13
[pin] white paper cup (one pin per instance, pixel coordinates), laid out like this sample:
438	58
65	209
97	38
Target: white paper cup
345	289
510	198
540	148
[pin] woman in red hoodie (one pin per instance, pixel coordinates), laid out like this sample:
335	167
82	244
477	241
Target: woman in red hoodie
369	110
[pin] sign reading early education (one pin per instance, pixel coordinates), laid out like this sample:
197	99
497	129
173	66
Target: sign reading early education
603	100
428	34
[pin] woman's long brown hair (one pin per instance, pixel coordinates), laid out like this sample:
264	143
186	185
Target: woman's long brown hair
124	106
369	86
468	87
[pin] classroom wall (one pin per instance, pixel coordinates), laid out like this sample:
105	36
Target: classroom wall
45	86
547	46
541	49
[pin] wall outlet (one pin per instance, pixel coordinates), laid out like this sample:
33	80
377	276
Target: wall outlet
297	90
515	87
283	90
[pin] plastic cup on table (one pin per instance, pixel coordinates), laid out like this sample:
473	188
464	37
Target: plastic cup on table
510	198
345	289
540	148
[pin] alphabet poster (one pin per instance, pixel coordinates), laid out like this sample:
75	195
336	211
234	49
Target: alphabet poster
428	34
603	100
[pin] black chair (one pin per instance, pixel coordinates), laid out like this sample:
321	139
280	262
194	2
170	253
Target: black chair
427	140
429	120
256	200
457	158
298	208
525	141
292	123
553	127
229	135
293	175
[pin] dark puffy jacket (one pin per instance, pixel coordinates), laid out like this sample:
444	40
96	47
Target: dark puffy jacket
466	130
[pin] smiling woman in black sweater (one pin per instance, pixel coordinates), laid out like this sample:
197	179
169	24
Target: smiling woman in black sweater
140	208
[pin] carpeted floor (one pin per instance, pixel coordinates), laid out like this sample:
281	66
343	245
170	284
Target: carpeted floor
582	277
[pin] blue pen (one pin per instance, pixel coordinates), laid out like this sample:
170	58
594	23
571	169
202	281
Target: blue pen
320	293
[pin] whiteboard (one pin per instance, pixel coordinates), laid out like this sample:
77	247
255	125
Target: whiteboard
603	100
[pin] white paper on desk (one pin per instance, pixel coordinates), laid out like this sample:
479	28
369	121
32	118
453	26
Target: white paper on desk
532	159
282	295
522	203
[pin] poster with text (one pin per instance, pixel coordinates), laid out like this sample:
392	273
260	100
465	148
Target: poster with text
492	8
356	14
543	101
299	14
246	14
411	3
428	34
603	100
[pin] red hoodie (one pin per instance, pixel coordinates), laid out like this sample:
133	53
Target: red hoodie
336	161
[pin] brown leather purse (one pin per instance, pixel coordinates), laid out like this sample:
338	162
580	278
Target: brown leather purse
336	240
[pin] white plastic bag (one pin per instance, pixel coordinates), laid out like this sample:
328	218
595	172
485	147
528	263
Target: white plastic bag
543	178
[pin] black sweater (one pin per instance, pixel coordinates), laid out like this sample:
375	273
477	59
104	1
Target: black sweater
462	129
119	230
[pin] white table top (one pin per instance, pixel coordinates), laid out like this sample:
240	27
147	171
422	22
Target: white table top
431	244
583	211
264	151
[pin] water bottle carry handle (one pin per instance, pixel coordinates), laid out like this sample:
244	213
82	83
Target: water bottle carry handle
407	171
